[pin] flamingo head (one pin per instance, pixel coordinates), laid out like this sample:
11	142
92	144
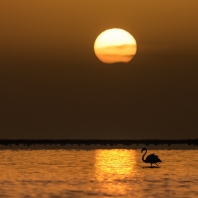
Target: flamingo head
144	149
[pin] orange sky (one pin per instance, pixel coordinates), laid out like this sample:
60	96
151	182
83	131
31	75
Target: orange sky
53	86
38	25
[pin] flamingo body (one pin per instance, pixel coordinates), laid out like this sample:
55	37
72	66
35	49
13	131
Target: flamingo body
152	158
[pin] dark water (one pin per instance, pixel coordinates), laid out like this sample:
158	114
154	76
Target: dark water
97	173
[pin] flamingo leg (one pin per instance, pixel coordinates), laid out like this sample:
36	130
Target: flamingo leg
151	164
156	164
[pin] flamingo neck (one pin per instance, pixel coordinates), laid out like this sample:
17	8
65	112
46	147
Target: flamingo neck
143	156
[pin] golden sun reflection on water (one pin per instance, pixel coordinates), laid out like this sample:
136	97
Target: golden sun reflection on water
112	168
114	164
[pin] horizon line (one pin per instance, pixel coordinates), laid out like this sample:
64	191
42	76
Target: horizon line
111	142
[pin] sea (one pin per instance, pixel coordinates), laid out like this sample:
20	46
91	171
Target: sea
98	173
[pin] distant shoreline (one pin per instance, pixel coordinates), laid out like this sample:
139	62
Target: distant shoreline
97	144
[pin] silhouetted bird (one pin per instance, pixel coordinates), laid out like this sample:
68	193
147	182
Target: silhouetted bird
152	159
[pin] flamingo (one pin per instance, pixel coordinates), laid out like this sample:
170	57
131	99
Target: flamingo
152	158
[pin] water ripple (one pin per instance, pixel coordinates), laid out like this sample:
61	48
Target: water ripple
97	173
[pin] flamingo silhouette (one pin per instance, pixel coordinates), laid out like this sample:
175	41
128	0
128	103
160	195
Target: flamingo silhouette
152	158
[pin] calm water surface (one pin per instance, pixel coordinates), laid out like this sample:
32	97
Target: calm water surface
97	173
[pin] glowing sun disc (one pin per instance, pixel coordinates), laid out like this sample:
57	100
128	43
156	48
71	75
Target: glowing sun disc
115	45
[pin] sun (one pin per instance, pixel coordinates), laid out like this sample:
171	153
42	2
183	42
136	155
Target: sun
115	45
